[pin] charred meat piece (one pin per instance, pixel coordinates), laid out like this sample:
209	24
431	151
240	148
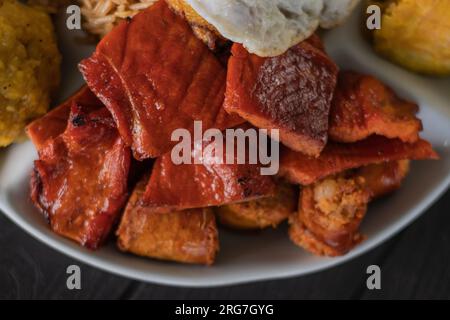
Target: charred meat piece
337	157
80	179
291	92
329	215
54	123
262	213
155	76
188	236
384	178
363	106
210	179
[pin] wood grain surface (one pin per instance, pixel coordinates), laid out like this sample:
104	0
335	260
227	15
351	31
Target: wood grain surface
415	264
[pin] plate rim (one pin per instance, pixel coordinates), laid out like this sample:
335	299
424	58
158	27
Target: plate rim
156	278
64	246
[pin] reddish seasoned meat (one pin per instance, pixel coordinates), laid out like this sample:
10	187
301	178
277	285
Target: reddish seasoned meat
155	76
331	210
80	180
54	123
291	92
329	215
184	186
384	178
363	106
188	236
316	42
337	157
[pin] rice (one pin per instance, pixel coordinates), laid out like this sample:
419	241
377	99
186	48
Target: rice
100	16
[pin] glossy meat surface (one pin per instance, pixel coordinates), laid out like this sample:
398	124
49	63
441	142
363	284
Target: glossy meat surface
188	236
210	183
338	157
363	106
80	179
291	92
54	123
384	178
155	76
329	215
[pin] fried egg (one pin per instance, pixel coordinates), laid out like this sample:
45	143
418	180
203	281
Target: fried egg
270	27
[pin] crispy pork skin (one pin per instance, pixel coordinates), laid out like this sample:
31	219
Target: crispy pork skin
209	180
178	187
337	157
188	236
155	76
80	179
291	92
363	106
54	123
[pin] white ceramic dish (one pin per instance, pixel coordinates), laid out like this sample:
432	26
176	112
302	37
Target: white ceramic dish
269	254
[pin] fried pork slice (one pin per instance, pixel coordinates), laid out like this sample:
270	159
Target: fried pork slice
80	179
155	76
291	92
262	213
188	236
337	157
363	106
54	122
384	178
213	181
329	215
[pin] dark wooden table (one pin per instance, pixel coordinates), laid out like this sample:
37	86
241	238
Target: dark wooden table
414	264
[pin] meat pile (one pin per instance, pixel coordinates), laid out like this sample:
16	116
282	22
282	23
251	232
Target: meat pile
347	139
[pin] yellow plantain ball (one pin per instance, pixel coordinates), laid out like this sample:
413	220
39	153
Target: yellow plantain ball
416	35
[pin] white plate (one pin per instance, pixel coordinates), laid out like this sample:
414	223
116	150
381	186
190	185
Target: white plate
269	254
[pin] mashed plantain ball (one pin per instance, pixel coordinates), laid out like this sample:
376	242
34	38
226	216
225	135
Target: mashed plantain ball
29	67
416	35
